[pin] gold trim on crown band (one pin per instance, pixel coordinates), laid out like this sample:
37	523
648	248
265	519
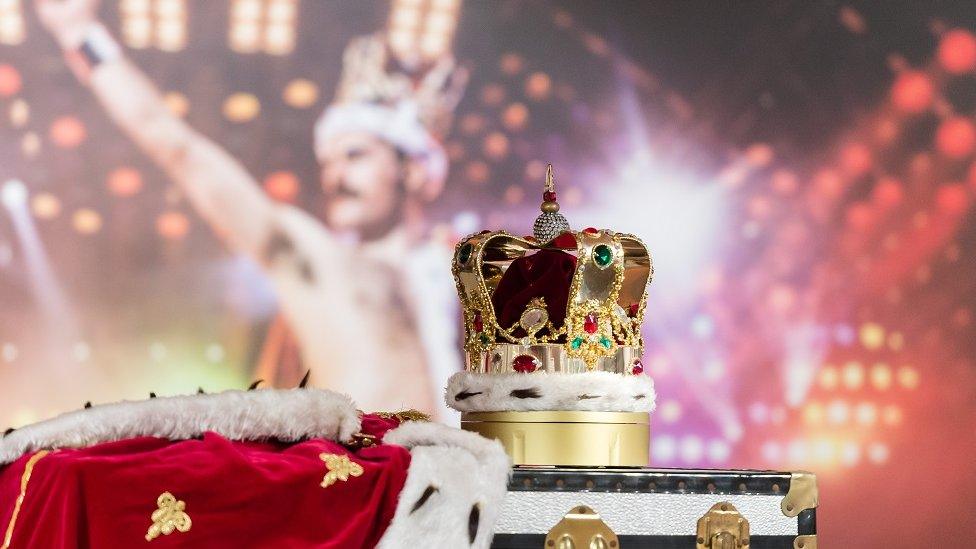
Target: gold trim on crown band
551	358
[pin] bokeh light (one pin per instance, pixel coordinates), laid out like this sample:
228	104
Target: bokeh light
241	107
45	206
124	181
956	137
68	132
172	225
912	92
86	221
300	93
957	51
282	186
10	81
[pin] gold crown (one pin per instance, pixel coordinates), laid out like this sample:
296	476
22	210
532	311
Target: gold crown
560	301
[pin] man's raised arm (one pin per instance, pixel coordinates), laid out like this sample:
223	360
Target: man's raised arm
220	189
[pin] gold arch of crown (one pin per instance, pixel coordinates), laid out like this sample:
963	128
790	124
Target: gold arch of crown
594	290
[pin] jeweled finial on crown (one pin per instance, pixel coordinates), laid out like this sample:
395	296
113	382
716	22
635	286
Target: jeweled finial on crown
550	222
562	301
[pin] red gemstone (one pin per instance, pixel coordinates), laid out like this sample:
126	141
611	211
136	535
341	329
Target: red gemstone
479	325
589	323
638	367
549	196
525	364
565	241
634	308
591	230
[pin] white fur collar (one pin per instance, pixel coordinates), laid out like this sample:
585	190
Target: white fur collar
283	414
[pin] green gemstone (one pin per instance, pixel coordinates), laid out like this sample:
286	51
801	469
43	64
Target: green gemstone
602	255
484	339
464	254
577	343
605	342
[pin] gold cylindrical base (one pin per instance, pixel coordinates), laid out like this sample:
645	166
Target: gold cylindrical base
595	439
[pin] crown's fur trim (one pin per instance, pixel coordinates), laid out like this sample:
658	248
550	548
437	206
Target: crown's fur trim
284	414
540	391
454	488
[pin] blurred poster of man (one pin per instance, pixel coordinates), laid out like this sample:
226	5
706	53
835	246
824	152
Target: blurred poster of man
361	292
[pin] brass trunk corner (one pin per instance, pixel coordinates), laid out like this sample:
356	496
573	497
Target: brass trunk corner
805	542
802	495
581	528
722	527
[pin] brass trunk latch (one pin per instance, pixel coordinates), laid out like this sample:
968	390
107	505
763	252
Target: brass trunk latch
581	528
722	527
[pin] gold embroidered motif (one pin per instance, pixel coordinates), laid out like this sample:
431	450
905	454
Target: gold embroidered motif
24	479
404	415
170	516
340	468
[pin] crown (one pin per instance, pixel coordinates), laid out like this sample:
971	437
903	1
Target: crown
371	74
560	301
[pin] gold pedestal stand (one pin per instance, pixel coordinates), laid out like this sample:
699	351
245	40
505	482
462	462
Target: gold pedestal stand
595	439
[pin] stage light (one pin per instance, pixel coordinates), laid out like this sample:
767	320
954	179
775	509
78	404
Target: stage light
12	30
515	117
538	86
67	132
866	413
881	376
829	378
177	103
492	94
282	186
888	193
142	21
850	453
10	81
758	412
784	182
477	171
472	124
19	113
664	449
45	206
891	415
495	146
856	159
86	221
125	181
956	137
912	92
872	336
241	107
813	413
797	452
214	353
853	375
759	155
718	451
838	412
172	225
824	450
771	452
908	377
8	352
957	51
952	198
30	144
279	36
702	326
691	449
878	452
420	31
300	93
14	194
670	411
511	64
713	370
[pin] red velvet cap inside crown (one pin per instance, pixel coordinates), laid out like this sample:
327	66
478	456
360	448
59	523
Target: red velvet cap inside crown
547	273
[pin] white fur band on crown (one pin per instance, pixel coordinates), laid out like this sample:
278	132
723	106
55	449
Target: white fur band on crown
541	391
283	414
